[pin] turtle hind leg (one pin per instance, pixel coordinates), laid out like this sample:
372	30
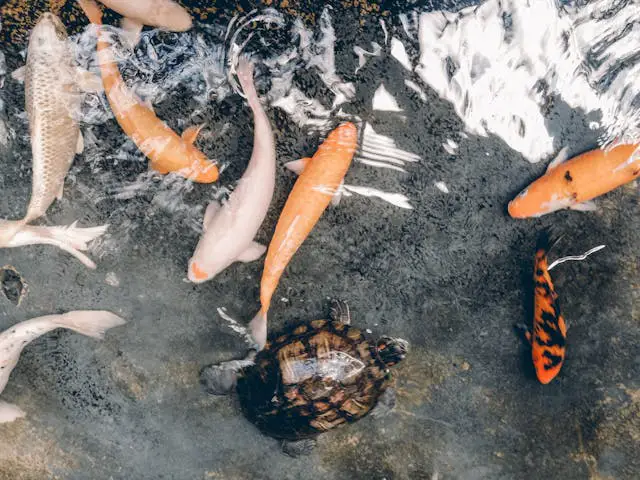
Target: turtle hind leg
386	403
340	312
298	448
221	378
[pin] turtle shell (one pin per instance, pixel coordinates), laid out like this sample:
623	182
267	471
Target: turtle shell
318	376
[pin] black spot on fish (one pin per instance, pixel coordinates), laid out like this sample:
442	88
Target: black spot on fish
567	176
13	287
555	360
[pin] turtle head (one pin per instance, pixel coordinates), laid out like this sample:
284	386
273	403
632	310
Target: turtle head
392	350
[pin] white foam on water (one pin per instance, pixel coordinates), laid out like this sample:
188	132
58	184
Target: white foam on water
442	187
450	146
482	58
399	53
416	88
397	199
362	54
384	101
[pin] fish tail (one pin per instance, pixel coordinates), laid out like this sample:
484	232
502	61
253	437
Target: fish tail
8	230
245	76
9	412
69	238
547	240
258	327
92	323
91	10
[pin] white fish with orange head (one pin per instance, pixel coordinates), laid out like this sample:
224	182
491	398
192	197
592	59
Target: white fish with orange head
229	230
52	101
92	323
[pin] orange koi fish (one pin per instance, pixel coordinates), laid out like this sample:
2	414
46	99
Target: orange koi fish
165	149
319	181
549	334
573	184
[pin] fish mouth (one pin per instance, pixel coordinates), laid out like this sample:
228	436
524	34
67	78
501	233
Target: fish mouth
49	20
196	274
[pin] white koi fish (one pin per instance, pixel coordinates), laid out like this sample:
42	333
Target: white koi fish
52	98
92	323
229	229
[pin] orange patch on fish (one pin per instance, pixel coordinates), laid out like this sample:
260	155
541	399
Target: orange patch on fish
197	273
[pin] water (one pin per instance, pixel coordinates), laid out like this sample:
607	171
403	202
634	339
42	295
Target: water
457	109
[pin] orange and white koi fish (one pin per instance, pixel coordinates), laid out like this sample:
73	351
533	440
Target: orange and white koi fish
549	335
164	14
548	338
92	323
320	179
165	149
574	183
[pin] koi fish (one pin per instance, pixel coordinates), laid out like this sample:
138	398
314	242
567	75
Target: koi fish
92	323
574	183
166	151
52	86
164	14
229	230
549	334
320	179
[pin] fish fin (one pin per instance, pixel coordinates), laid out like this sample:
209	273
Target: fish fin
212	209
87	81
80	144
132	29
69	238
253	252
10	412
191	134
148	104
258	327
92	10
335	200
588	206
19	73
562	157
524	332
60	192
92	323
298	166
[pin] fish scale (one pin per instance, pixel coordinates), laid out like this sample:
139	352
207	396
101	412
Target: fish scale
50	104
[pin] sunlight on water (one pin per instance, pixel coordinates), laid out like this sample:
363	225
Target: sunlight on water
499	69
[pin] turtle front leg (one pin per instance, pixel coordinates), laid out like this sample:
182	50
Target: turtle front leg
221	378
298	448
340	312
386	403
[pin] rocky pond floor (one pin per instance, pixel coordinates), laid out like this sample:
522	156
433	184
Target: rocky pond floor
452	276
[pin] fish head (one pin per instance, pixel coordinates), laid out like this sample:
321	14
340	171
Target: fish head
538	199
199	271
48	29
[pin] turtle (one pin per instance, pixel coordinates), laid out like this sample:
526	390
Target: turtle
312	378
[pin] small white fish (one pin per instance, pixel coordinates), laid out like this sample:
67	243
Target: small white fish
92	323
229	229
52	98
164	14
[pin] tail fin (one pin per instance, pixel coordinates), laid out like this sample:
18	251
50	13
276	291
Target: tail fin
9	412
91	10
245	76
547	240
92	323
71	239
258	327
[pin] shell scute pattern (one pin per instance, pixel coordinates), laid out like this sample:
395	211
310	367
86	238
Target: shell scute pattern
312	380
